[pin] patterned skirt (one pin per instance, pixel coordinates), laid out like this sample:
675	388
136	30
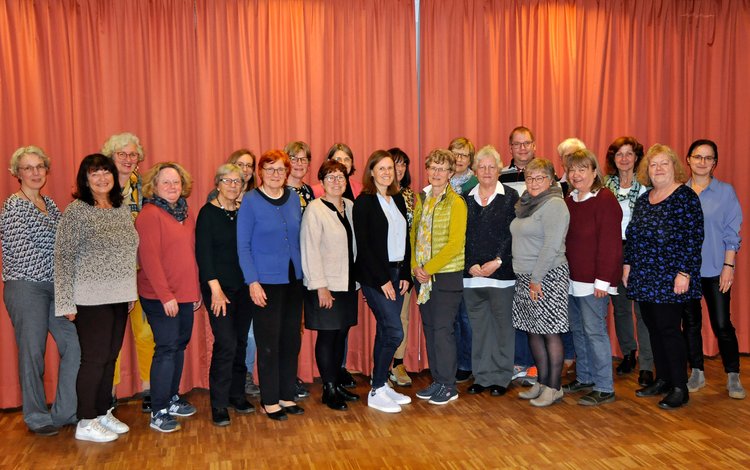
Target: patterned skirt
548	315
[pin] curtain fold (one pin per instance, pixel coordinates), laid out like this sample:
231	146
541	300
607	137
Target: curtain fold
663	71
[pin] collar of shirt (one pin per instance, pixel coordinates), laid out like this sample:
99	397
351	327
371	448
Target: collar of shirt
575	193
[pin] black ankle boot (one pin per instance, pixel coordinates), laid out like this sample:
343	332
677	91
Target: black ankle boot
332	399
345	394
627	364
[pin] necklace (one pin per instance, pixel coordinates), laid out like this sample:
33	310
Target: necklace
231	213
340	208
42	209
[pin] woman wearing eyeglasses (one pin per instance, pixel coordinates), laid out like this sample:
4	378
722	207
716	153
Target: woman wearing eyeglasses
268	246
225	295
126	151
329	250
343	154
623	157
722	217
28	224
540	302
438	236
299	156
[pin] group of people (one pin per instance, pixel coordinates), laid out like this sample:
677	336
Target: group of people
501	260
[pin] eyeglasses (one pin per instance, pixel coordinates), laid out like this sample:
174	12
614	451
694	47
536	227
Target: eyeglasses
703	158
437	169
535	179
245	166
127	156
462	156
41	168
624	155
230	181
518	145
299	160
335	178
278	171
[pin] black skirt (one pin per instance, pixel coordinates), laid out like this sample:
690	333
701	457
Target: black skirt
342	314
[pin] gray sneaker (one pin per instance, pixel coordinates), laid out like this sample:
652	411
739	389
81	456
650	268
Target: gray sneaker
250	387
444	394
426	393
696	381
734	386
180	407
162	421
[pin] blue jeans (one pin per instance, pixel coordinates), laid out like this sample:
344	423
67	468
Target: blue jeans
569	349
171	337
462	328
522	356
250	352
588	323
388	331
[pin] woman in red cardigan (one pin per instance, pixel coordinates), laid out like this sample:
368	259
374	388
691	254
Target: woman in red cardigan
167	285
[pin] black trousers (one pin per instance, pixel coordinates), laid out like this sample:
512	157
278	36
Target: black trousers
721	324
668	345
226	376
101	329
277	336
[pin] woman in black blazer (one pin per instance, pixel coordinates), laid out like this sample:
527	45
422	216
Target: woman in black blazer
383	269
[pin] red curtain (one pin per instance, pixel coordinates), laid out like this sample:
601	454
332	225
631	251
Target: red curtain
664	71
196	79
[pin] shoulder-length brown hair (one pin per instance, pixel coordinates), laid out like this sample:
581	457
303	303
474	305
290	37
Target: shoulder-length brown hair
368	182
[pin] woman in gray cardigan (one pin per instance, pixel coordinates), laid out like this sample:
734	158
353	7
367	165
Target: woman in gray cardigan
328	252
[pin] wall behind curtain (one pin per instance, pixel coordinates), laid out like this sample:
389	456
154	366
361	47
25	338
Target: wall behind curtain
195	80
663	71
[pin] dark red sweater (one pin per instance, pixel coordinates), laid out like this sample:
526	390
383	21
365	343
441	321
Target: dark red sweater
593	245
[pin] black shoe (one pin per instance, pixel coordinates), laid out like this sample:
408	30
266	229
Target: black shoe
476	389
346	379
279	415
293	410
676	399
659	387
576	386
146	403
46	431
113	403
300	391
345	394
497	390
462	376
332	398
627	364
220	416
241	405
645	378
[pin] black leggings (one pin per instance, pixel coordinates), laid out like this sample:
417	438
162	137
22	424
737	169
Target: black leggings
548	356
718	314
329	352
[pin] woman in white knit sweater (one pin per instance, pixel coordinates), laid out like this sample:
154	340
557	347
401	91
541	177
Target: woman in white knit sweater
95	278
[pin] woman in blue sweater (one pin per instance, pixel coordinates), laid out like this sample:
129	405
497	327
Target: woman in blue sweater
268	226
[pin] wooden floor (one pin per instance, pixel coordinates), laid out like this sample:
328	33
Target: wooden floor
713	431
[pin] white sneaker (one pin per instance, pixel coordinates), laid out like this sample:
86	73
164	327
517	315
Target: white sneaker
380	400
94	432
398	398
113	424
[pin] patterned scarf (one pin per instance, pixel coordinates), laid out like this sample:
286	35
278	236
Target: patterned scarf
459	180
424	242
613	184
179	211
